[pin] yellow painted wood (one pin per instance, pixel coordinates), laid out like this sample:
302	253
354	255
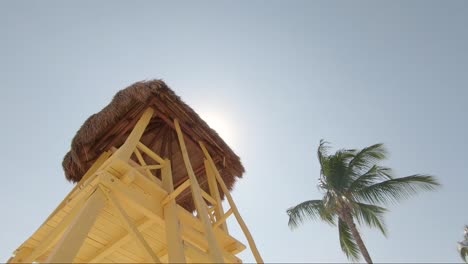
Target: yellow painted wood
59	220
129	177
119	241
222	220
173	237
70	198
137	166
208	197
55	234
151	167
154	188
200	256
135	199
96	165
241	222
143	163
126	150
211	215
196	255
214	191
145	202
139	202
148	179
132	229
200	205
72	240
193	231
177	191
150	153
211	209
20	255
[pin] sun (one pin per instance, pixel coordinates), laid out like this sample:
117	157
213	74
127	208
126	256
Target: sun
221	123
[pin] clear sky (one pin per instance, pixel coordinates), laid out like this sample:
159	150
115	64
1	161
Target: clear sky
274	77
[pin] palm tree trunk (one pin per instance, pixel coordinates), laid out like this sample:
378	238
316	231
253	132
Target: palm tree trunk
348	219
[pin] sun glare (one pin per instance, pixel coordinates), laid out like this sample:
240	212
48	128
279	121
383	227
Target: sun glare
221	124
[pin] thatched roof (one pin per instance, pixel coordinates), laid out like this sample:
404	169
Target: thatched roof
111	126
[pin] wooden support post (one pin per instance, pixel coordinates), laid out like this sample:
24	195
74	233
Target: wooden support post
126	150
214	249
132	229
71	242
241	222
175	248
213	185
143	163
208	197
173	195
222	220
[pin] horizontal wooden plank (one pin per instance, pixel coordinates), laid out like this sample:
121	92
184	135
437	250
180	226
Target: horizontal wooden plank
190	222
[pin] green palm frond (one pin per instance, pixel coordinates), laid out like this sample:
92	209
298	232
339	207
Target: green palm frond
322	151
396	189
374	175
347	242
371	215
313	209
335	172
367	157
464	254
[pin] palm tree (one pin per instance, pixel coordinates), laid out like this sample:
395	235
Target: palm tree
463	246
355	189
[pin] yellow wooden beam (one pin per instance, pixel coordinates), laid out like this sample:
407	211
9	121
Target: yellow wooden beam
71	242
132	229
151	167
211	214
200	204
191	232
154	210
137	166
153	186
81	184
136	199
126	150
222	220
143	163
20	255
208	197
76	198
199	256
173	236
150	153
177	191
55	234
214	191
119	241
241	222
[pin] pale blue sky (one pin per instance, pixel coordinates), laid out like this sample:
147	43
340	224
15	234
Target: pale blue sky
281	75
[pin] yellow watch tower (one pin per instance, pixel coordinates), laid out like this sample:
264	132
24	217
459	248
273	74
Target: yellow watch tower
150	178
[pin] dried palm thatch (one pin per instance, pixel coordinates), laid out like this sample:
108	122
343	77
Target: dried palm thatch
110	127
